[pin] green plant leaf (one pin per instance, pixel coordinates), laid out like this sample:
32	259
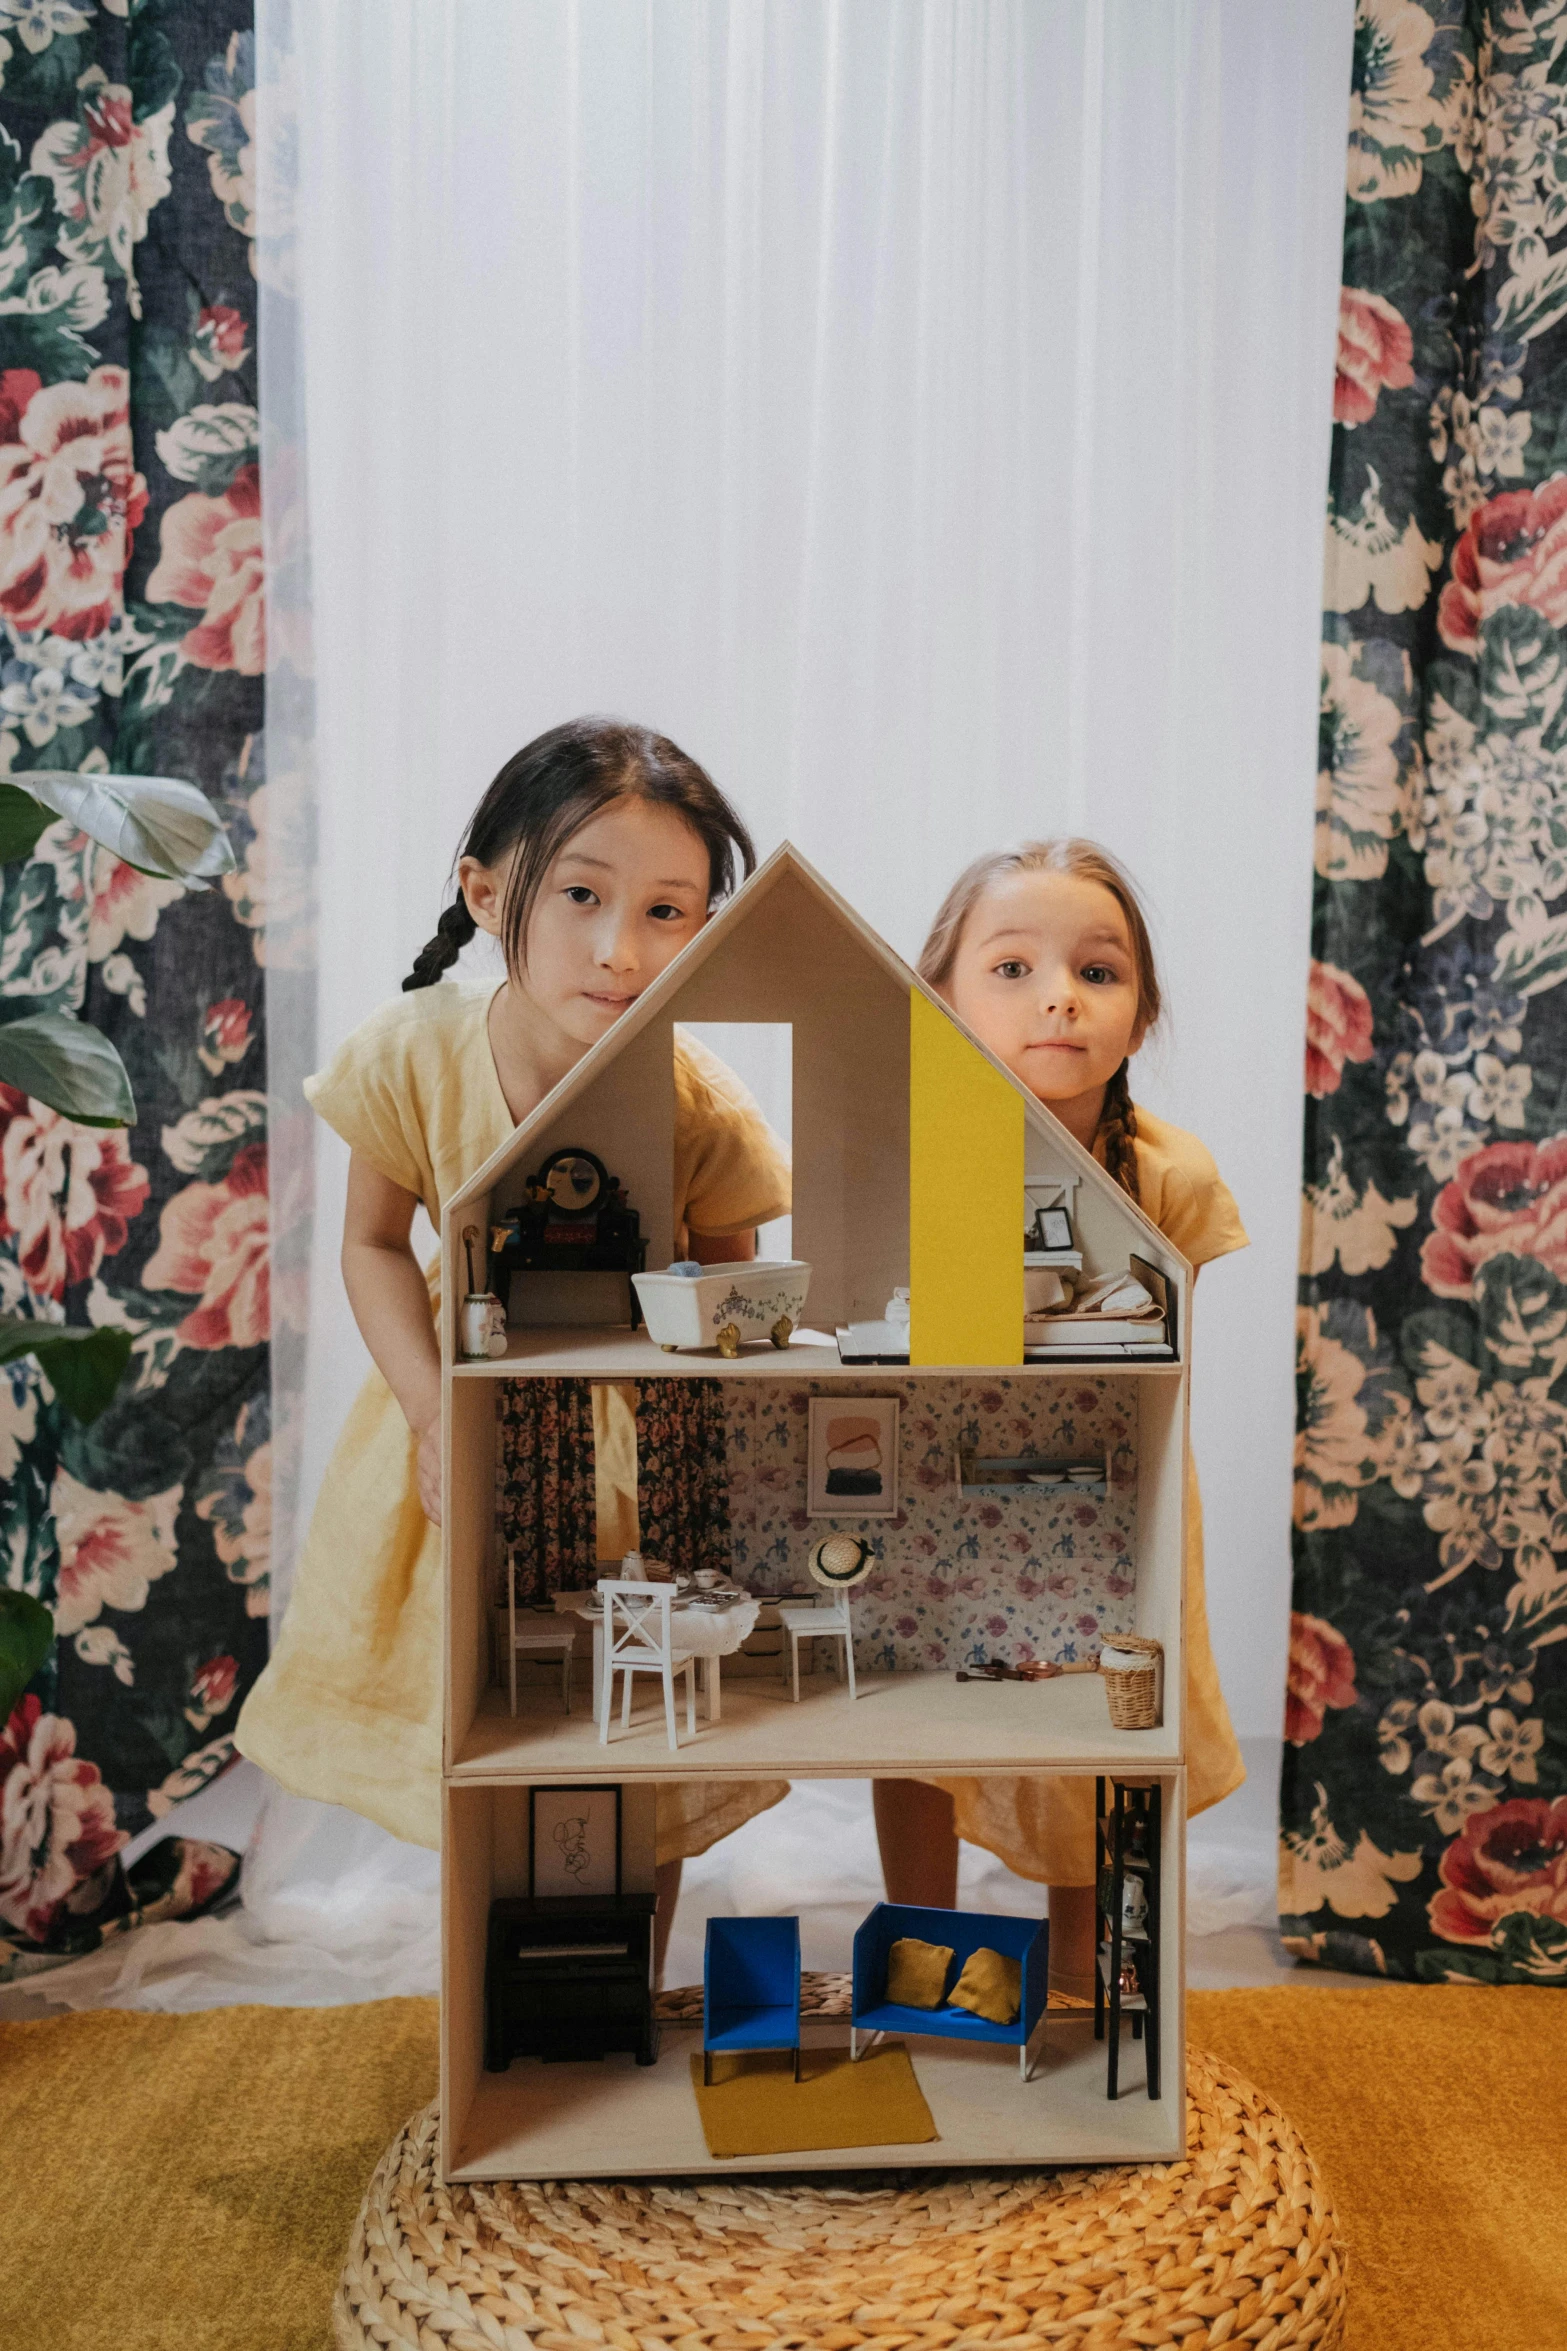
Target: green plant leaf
84	1366
22	819
26	1637
155	823
69	1065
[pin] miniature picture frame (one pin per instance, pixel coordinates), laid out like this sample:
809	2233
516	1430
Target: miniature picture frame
573	1842
1056	1228
852	1457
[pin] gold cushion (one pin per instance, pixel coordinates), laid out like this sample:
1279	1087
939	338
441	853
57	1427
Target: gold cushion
991	1986
917	1972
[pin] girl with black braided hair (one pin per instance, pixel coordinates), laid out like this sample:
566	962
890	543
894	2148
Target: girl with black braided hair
596	853
1044	952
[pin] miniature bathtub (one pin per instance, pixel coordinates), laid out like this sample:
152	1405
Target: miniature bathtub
724	1305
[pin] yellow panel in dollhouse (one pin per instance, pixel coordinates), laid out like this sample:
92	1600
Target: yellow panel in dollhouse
965	1183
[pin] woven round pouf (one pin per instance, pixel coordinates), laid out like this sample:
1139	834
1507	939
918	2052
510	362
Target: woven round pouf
1235	2244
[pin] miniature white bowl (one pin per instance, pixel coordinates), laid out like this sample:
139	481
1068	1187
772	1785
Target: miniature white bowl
724	1305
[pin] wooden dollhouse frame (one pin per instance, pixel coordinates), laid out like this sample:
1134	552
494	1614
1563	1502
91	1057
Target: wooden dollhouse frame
912	1147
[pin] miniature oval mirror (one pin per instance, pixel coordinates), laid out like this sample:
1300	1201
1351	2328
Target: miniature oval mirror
572	1182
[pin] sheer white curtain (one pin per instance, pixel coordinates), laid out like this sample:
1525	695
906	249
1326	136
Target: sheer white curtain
919	408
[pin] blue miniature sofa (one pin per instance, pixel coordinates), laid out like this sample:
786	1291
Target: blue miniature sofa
750	1988
966	1931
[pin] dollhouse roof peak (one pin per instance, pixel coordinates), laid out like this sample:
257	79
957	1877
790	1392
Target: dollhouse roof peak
785	868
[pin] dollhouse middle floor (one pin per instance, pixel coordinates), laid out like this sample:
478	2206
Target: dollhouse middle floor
976	1563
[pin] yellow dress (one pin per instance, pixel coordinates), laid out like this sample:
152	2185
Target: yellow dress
349	1707
1043	1828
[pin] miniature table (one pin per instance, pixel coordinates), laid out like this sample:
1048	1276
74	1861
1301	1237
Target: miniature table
705	1633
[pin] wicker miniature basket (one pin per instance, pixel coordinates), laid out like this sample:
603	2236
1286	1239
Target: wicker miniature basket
1134	1691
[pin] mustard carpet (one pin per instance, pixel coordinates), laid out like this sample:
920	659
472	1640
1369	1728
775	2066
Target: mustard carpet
188	2183
756	2107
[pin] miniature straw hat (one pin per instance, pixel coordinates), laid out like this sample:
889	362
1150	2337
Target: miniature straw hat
841	1560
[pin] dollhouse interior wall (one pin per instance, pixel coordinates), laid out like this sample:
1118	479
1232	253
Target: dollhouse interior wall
795	960
1030	1573
1104	1233
626	1118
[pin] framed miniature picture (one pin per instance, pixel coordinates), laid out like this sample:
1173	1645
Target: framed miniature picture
1056	1228
852	1467
573	1841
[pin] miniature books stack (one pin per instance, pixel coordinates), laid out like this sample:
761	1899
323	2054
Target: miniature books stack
1106	1314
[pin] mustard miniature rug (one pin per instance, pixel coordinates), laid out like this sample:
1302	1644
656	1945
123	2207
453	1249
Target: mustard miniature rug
756	2107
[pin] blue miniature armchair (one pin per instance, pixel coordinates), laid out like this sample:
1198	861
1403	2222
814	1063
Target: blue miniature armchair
750	1988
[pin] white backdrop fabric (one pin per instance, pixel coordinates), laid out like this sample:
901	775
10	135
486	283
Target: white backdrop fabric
920	410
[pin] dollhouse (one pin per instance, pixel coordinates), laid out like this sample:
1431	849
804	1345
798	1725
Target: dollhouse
1020	1486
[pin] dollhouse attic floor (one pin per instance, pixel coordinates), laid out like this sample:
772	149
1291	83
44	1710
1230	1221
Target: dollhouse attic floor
564	1351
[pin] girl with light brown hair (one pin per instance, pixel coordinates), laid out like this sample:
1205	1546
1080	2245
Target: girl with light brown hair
1044	953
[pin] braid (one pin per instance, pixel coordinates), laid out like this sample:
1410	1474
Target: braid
452	933
1118	1125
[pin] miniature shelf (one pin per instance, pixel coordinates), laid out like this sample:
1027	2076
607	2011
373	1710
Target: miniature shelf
976	1474
1131	2002
900	1725
588	1351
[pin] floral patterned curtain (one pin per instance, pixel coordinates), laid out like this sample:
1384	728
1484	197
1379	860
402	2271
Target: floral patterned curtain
545	1501
131	611
683	1473
1425	1780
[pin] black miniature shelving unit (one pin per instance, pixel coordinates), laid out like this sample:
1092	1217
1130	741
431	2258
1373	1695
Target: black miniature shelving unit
1127	1823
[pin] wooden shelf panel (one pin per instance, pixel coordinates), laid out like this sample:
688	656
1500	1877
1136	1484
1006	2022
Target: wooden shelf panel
900	1725
615	2120
586	1351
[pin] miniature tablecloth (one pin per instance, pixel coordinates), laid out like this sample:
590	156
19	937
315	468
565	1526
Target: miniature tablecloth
705	1633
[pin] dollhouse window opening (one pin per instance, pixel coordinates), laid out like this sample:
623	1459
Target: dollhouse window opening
761	1055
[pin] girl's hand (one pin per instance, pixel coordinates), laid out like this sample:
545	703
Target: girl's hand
391	1304
429	1470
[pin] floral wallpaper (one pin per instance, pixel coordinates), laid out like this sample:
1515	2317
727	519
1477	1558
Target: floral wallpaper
1424	1829
1034	1573
132	637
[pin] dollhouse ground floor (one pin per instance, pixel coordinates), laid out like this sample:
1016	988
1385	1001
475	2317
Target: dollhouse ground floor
614	2118
608	2116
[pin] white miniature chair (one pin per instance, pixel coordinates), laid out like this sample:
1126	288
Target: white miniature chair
547	1640
638	1638
809	1620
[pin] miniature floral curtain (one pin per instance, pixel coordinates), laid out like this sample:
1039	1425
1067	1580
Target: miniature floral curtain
545	1499
131	611
1425	1779
683	1473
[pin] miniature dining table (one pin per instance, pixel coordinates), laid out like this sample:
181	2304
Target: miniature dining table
704	1628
